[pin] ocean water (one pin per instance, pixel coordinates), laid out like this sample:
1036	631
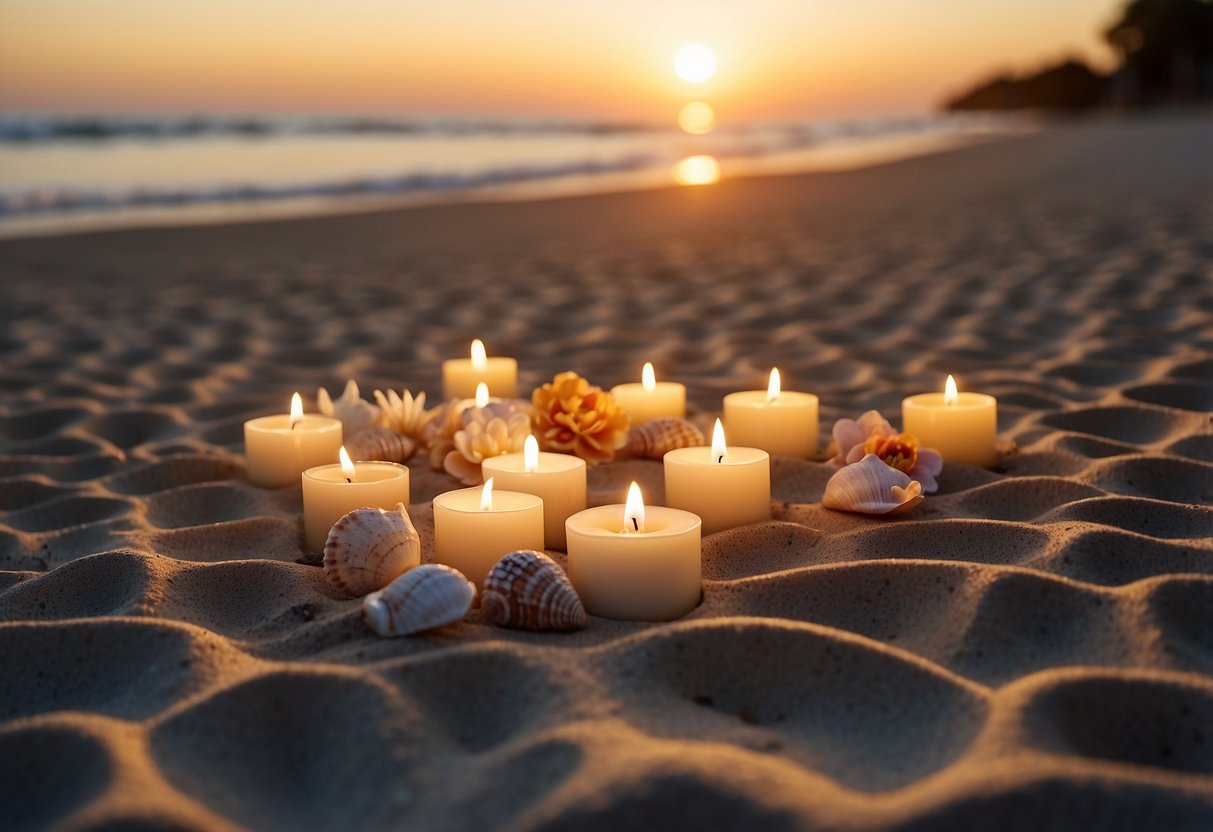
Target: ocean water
68	172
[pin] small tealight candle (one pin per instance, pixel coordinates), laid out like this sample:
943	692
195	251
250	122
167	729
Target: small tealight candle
635	563
475	527
332	491
277	449
461	375
650	399
779	422
557	478
725	485
961	426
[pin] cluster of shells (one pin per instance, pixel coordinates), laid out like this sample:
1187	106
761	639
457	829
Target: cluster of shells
375	553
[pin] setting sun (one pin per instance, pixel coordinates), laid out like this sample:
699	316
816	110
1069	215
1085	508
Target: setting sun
697	170
695	63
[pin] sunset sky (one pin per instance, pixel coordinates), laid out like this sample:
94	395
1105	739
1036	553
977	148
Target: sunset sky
776	58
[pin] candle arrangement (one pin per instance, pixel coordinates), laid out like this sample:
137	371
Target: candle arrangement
630	561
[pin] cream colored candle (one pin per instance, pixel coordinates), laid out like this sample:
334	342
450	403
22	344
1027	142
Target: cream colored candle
635	563
779	422
277	449
961	426
650	399
461	375
727	486
559	479
332	491
475	527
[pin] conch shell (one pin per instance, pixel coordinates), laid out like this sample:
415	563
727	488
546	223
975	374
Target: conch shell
655	438
367	548
354	413
382	444
527	590
871	487
405	413
421	599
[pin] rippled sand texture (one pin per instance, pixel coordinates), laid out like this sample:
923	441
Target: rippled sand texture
1031	648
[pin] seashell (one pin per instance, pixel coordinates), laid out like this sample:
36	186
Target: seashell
421	599
355	413
369	547
382	444
527	590
656	437
871	487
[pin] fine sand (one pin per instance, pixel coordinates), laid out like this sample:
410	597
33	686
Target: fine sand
1032	648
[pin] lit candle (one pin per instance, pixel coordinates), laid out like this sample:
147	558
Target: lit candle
277	449
777	421
961	426
332	491
635	563
475	527
650	399
461	375
725	485
558	478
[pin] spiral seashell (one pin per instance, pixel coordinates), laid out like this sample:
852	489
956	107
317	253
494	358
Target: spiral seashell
871	487
527	590
367	548
655	438
355	413
382	444
421	599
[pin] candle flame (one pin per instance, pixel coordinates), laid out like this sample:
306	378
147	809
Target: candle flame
720	451
482	394
950	396
773	385
347	465
530	455
633	511
648	378
480	358
296	410
486	495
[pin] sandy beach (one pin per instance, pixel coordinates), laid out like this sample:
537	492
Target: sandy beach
1032	647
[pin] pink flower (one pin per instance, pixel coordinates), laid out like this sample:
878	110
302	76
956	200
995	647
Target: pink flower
873	434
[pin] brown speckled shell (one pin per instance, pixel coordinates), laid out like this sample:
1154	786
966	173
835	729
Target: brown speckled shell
527	590
367	548
380	444
654	439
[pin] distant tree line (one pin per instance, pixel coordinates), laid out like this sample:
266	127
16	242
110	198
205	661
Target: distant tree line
1165	50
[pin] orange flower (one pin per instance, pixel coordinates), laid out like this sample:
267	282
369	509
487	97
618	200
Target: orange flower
570	416
899	451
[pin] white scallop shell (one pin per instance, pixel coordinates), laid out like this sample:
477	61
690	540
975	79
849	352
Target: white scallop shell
528	590
369	547
421	599
871	487
382	444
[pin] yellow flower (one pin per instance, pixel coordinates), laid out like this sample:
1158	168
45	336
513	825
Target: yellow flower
571	416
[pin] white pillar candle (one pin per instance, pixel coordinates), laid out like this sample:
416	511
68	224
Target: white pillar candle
461	375
725	485
332	491
559	479
635	563
961	426
650	399
475	527
277	449
777	421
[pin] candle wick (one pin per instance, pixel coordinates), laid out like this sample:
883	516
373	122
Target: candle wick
349	480
636	523
293	425
720	459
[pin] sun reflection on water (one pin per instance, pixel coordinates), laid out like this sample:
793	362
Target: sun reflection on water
697	170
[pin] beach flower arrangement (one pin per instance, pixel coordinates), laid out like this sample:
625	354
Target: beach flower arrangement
571	416
872	434
462	434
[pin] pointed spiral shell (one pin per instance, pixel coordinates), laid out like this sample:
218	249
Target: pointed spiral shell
421	599
369	547
655	438
528	591
382	444
871	487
